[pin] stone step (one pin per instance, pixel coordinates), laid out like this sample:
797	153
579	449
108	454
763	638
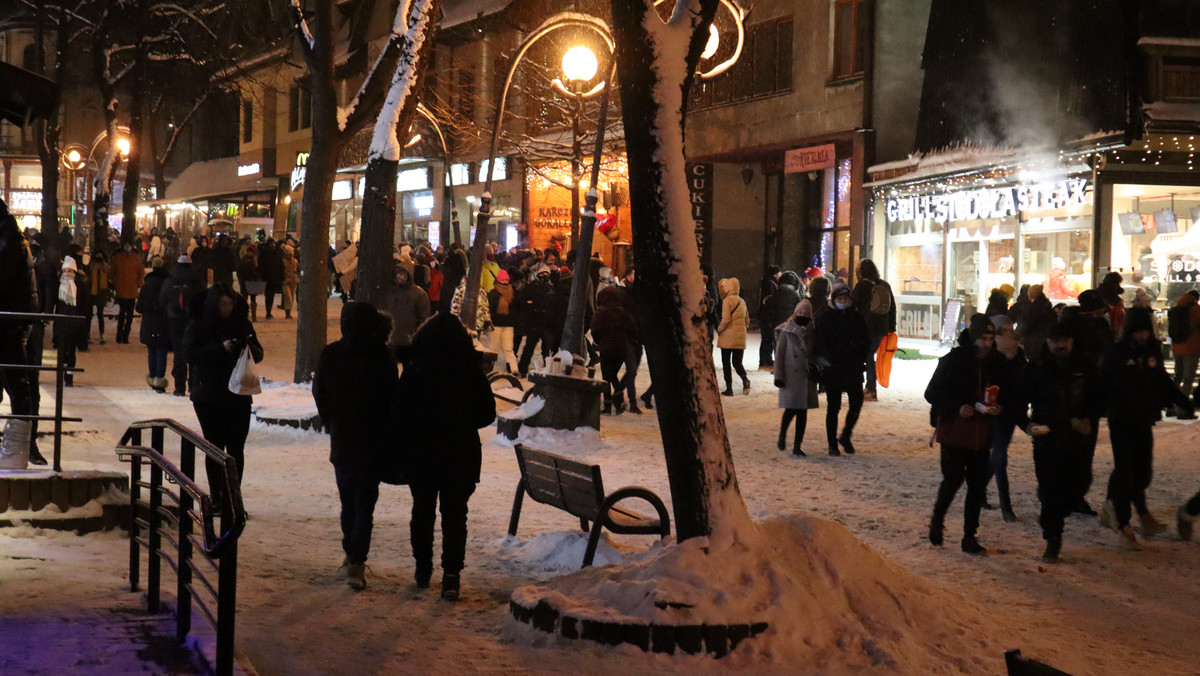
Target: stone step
33	490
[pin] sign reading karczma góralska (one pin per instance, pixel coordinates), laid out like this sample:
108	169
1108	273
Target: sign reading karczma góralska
971	205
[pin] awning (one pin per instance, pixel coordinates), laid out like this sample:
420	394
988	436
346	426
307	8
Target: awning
216	178
25	95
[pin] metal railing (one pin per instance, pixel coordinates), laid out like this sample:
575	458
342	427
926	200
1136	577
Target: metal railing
60	371
165	514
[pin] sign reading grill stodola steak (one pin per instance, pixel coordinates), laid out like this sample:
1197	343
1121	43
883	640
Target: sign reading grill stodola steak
970	205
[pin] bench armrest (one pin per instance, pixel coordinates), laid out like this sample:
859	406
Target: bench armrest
638	492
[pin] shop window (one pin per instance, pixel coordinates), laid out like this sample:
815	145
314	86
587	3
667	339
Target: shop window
1060	261
247	121
299	106
850	22
763	69
1156	240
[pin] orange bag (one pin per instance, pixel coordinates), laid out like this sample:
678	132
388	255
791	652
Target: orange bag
883	358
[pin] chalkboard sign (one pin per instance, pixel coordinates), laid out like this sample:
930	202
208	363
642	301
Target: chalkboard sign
950	320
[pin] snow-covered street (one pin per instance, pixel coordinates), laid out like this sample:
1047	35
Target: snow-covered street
1101	611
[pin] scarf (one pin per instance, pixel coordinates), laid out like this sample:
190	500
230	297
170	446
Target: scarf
66	286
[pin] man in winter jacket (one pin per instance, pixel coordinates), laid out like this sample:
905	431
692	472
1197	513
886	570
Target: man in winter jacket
536	306
615	333
270	266
1187	352
409	307
1092	338
128	274
177	294
962	413
840	349
779	306
1064	394
18	293
767	287
873	299
1034	324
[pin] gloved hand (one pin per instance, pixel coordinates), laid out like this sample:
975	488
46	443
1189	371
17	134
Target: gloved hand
779	384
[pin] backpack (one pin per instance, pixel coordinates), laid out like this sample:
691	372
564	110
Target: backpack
1179	323
881	299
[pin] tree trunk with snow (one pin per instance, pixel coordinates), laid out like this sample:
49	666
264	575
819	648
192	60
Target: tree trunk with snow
133	163
46	132
655	63
378	234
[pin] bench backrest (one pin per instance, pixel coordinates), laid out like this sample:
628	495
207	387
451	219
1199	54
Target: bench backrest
570	485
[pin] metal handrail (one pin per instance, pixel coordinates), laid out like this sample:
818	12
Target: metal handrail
173	519
60	370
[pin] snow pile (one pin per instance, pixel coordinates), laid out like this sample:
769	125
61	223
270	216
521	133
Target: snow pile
563	442
285	401
529	408
93	508
830	601
557	552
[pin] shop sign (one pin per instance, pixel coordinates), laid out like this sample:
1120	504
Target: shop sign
299	170
812	158
25	201
700	188
1181	271
249	169
971	205
917	320
553	218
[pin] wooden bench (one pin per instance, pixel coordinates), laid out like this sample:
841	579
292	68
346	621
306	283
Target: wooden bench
576	488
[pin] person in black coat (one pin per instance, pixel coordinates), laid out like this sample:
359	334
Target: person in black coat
1064	395
352	387
155	331
1138	388
224	261
1034	323
873	299
175	299
219	330
767	287
535	303
840	349
18	293
270	266
442	400
957	392
780	304
615	331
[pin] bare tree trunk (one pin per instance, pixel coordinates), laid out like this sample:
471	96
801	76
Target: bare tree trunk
377	238
47	131
160	176
669	288
133	163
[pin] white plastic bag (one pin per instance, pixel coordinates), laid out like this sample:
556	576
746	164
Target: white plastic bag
244	380
14	452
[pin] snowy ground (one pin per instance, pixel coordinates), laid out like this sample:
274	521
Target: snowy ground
1102	611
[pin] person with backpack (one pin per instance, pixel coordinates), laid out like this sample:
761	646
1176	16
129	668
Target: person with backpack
177	293
874	300
1183	328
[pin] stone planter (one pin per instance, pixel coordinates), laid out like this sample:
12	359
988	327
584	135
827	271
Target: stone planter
571	401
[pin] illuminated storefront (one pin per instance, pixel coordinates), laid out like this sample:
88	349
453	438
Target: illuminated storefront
549	222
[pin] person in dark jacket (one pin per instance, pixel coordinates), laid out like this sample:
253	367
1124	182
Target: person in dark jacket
155	332
873	299
18	293
70	301
1138	388
1020	306
536	305
270	266
840	349
502	307
443	398
353	386
997	303
1034	325
219	330
1113	295
409	308
201	257
1092	338
793	374
176	297
781	304
1064	395
962	412
767	287
615	333
249	278
818	295
1011	371
224	261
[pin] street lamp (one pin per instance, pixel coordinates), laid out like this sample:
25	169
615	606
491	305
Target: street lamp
74	162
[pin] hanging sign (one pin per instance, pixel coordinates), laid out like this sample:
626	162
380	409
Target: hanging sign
700	189
972	205
800	160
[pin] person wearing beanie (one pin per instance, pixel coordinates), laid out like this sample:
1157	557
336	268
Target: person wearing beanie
840	349
1064	398
1012	370
767	287
535	305
502	307
1112	294
1138	388
965	394
777	310
873	298
155	331
176	296
793	374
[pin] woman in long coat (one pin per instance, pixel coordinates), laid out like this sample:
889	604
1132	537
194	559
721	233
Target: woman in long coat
441	402
731	333
155	332
797	391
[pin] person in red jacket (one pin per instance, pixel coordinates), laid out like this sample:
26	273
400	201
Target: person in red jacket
128	276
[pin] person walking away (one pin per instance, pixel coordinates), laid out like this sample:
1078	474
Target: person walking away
1183	328
98	276
797	388
18	293
250	279
66	333
128	274
291	280
1185	517
1138	388
778	309
1113	295
409	308
536	305
874	300
1034	326
175	299
1093	337
841	346
224	261
1020	306
502	309
443	398
962	415
818	295
615	332
998	301
46	275
731	333
767	287
352	387
219	330
1064	398
155	331
270	265
1011	371
201	255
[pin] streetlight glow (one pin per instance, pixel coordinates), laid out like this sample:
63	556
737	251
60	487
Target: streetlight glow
73	156
123	146
579	64
714	41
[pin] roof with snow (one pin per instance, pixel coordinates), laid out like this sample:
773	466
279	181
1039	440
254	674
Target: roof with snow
215	178
462	11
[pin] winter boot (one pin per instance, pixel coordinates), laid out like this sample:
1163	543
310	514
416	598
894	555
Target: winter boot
607	409
647	403
868	395
728	391
35	456
1053	548
356	575
1150	525
450	586
799	452
833	447
423	575
935	532
782	439
846	445
1129	541
745	386
970	545
1006	509
1183	523
287	314
633	408
1108	515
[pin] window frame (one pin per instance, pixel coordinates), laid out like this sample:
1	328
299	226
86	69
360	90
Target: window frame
838	72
